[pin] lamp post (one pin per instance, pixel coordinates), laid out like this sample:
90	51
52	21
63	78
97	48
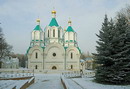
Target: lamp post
82	63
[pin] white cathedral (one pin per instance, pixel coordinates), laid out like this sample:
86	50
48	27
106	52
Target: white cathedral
53	48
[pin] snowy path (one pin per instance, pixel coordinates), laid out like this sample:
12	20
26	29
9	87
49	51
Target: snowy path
47	81
87	83
74	84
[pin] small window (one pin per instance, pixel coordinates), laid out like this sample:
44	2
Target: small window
36	55
54	54
71	55
53	32
71	66
58	33
48	33
36	67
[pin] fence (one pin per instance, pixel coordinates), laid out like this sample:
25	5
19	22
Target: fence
15	73
71	74
75	74
88	74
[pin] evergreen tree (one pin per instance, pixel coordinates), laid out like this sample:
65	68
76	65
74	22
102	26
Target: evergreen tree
121	53
113	52
104	50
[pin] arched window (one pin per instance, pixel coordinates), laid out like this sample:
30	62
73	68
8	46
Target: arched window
48	33
71	66
36	67
53	32
36	55
71	55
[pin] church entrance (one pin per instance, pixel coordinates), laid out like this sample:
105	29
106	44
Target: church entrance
54	68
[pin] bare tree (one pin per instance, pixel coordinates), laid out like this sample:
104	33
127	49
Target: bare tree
22	59
85	55
125	12
5	48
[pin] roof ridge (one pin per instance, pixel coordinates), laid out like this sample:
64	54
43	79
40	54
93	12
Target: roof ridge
37	27
70	29
53	22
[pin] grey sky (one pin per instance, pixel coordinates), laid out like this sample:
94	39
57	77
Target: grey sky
18	18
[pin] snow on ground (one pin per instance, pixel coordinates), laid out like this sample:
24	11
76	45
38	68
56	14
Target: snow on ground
47	81
73	85
9	84
53	81
87	83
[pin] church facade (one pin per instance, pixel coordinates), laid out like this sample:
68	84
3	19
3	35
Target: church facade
53	48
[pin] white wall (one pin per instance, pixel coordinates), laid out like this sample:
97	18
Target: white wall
75	60
33	61
57	60
42	36
71	36
32	34
37	35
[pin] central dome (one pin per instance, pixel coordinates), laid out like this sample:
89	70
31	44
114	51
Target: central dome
53	12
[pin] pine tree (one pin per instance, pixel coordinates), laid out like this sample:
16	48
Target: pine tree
121	53
113	52
104	50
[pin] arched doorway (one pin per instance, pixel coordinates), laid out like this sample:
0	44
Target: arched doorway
54	68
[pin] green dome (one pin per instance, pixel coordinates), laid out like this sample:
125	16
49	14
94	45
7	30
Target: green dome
53	22
37	27
70	29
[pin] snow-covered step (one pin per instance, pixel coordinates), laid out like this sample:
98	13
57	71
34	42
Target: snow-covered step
73	84
47	81
10	84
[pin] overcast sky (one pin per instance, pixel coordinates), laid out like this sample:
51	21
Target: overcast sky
18	19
